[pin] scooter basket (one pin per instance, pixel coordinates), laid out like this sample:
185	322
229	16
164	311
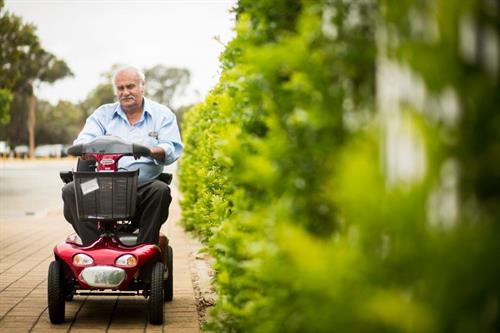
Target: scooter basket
104	196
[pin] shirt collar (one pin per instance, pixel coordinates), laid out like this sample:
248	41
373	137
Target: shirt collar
147	110
147	106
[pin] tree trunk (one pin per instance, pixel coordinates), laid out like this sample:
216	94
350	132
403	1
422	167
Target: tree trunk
31	124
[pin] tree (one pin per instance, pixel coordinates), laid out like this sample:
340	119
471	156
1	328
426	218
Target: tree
5	100
58	124
25	65
16	39
16	132
163	83
100	95
45	67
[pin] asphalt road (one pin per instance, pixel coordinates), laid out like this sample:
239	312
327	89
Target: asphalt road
31	187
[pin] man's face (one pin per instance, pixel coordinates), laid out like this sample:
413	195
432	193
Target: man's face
129	90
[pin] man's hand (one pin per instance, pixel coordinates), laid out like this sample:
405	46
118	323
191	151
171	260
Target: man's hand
158	154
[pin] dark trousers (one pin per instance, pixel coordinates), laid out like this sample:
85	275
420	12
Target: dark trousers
153	200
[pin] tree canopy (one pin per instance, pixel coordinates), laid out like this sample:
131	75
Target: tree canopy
25	65
16	39
164	83
24	62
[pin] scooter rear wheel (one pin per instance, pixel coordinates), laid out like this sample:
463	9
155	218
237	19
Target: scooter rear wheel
155	302
55	292
169	281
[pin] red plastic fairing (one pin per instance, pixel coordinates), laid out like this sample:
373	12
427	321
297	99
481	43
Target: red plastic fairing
104	252
106	162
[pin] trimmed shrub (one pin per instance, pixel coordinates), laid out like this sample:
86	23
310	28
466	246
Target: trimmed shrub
344	171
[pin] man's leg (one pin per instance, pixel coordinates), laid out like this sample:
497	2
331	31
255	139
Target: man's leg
86	230
153	200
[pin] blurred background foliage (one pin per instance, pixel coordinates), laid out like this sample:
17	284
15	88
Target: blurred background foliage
25	65
345	171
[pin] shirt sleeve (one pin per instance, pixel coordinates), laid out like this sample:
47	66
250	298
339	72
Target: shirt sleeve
169	139
93	128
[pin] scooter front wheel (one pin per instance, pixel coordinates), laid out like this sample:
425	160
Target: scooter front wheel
55	292
155	302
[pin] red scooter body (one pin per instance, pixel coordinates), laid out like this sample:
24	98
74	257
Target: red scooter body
104	252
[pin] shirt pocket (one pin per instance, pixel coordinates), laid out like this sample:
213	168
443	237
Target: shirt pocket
150	139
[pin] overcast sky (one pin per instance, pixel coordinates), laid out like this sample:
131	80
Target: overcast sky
91	35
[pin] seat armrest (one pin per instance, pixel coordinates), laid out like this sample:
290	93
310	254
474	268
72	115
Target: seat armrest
165	177
66	176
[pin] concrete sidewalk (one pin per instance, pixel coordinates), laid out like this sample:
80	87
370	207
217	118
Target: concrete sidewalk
25	253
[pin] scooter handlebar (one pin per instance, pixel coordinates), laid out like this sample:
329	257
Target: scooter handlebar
140	150
109	145
75	150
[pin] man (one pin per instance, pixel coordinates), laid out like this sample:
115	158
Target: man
136	119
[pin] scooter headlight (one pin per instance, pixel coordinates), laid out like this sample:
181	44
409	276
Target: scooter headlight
127	260
82	260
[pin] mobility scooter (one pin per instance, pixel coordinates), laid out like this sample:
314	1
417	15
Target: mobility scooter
114	264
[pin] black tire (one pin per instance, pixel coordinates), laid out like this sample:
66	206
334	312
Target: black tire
155	302
69	291
55	292
169	281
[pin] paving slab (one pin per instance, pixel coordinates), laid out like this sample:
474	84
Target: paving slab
26	244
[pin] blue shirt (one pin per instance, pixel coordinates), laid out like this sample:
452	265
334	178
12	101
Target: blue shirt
156	128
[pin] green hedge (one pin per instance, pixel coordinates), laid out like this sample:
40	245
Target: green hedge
288	178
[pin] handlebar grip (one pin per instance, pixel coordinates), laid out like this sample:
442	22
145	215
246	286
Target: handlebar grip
140	150
76	150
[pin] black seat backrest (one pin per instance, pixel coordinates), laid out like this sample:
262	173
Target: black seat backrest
85	165
81	165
